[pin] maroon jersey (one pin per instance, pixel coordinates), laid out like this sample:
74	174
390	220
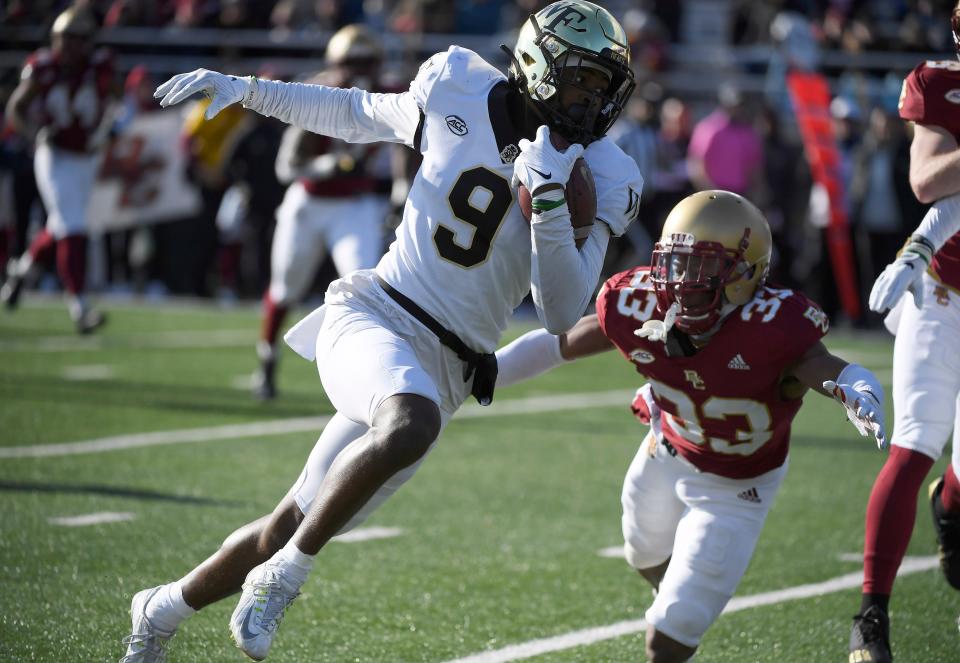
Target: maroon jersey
343	184
931	95
71	101
354	180
722	407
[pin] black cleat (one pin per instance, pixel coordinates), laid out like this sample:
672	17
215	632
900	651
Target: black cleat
10	292
948	535
90	321
264	384
870	637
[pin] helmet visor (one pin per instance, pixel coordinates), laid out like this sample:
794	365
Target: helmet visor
692	276
583	92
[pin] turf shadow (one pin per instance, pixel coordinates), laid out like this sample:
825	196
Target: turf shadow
139	394
112	491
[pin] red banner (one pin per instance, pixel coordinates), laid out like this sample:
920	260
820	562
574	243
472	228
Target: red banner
811	103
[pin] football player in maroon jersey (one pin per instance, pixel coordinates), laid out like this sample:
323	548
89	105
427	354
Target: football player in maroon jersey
727	359
926	363
332	206
60	104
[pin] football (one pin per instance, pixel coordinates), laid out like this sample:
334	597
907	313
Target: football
581	193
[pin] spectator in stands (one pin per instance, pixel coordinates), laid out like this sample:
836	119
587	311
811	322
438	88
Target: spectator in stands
671	177
726	151
139	13
130	250
637	135
209	144
783	194
478	17
882	205
649	40
813	267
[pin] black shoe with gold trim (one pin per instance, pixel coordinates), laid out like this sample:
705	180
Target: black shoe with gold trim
870	637
948	535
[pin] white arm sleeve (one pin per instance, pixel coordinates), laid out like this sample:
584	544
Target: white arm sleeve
941	222
562	279
530	355
353	115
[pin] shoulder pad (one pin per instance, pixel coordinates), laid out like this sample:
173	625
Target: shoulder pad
458	67
619	184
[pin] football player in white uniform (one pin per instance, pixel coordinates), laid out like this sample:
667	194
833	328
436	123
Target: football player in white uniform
400	347
331	206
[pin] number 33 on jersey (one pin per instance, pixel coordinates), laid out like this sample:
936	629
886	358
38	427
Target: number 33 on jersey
724	407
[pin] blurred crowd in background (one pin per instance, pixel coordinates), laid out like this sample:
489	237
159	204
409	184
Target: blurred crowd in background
711	110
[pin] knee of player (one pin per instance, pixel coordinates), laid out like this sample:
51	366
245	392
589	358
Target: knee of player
405	427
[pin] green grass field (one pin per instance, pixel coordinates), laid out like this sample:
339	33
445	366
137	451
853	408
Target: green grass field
501	528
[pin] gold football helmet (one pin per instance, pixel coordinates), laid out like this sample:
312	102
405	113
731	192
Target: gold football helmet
714	250
74	22
553	48
353	43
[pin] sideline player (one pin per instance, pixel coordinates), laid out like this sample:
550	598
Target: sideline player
926	360
331	206
70	83
400	347
727	360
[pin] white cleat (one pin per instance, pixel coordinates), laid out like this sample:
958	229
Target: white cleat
267	593
146	643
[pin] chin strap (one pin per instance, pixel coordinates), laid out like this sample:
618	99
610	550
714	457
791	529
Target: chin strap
657	330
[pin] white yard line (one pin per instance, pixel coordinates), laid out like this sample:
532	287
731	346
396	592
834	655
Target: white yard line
531	405
169	339
92	518
87	373
589	636
230	431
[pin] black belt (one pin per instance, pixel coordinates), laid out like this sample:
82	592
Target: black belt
482	366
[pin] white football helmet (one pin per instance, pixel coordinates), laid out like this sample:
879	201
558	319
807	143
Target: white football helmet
554	45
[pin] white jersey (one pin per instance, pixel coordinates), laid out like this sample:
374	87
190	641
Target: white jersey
463	251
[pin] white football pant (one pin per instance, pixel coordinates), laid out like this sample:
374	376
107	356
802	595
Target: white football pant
65	180
707	525
308	227
368	349
926	372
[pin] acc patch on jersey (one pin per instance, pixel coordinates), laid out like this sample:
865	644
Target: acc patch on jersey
456	125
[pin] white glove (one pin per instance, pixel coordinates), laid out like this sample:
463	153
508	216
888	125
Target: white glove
657	330
903	274
540	163
221	89
863	408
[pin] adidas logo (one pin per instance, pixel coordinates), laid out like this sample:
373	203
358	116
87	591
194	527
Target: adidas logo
738	364
750	495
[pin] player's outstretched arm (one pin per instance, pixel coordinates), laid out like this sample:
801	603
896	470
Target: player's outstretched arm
539	351
18	108
905	273
562	279
851	385
352	115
